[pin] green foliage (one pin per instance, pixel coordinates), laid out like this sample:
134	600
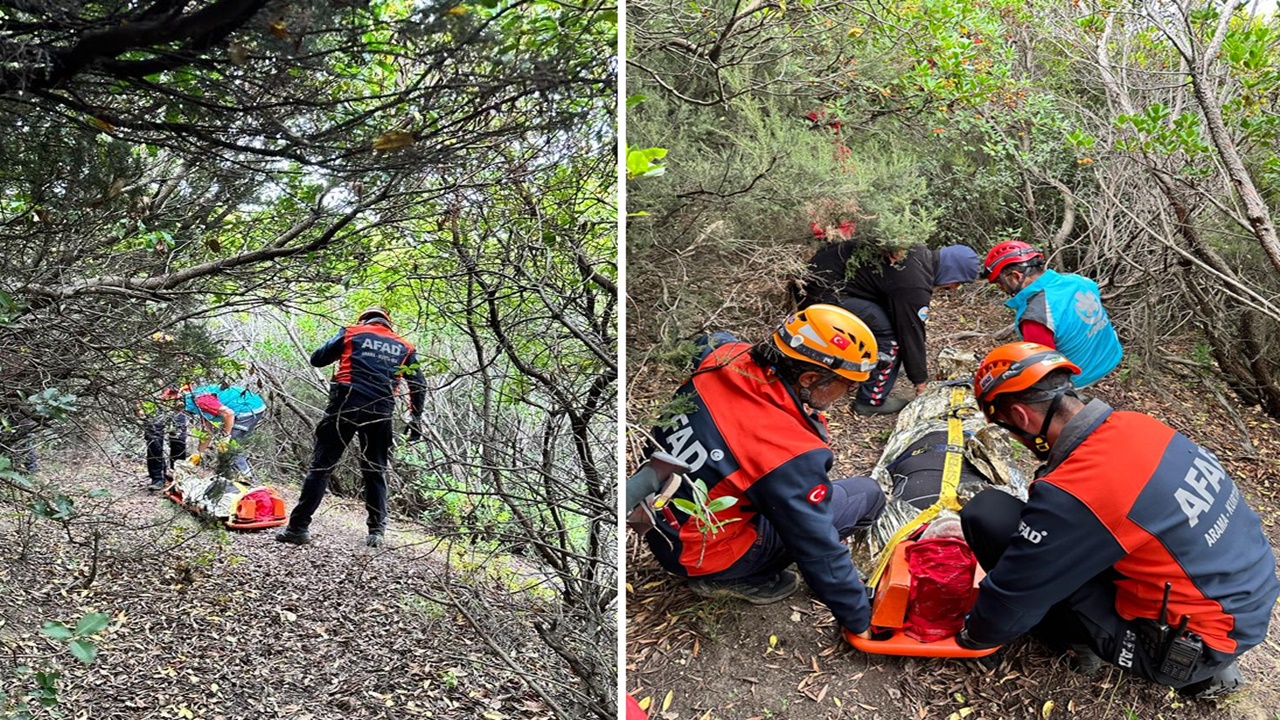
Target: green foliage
644	162
756	165
957	58
77	639
1157	133
58	508
1202	353
52	403
1247	49
677	406
10	475
40	687
704	509
677	354
895	198
445	502
10	309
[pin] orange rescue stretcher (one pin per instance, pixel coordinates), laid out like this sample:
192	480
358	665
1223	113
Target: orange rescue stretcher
889	614
890	584
235	503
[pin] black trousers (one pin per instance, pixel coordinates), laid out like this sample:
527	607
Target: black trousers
154	434
875	390
1087	616
339	425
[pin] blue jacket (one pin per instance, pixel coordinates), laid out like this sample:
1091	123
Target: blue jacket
1071	307
241	401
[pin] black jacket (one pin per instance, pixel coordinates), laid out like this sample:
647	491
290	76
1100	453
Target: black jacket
904	290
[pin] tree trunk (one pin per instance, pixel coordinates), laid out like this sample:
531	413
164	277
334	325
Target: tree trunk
1256	211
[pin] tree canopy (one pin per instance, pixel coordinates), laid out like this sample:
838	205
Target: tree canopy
1130	141
205	190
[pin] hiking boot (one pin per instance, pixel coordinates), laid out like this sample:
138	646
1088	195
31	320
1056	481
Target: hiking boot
779	587
293	537
157	485
890	406
1087	662
1224	682
374	540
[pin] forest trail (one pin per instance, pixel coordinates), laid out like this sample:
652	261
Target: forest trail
723	660
235	626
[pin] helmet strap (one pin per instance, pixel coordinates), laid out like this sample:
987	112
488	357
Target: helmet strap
1039	442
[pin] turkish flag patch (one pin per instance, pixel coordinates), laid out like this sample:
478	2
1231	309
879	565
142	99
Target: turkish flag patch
818	494
840	342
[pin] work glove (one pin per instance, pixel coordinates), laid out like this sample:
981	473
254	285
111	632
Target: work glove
414	429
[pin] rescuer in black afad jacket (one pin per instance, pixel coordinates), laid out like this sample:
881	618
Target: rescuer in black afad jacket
371	360
1134	546
749	427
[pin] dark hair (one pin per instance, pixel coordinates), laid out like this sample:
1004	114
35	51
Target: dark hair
766	354
1041	394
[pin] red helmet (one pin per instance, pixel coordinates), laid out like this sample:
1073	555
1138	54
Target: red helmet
174	392
1009	252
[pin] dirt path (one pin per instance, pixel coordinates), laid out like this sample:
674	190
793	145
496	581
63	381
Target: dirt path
210	624
699	659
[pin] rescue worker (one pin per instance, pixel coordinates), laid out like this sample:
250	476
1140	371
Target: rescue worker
751	430
1058	310
891	294
159	417
228	412
1123	508
371	359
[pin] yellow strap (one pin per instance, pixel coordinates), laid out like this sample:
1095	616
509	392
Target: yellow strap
955	452
946	497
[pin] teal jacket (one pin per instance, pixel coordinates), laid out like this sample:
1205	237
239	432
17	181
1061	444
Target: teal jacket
241	401
1071	307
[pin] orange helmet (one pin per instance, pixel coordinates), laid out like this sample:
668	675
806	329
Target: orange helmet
1013	367
829	336
374	311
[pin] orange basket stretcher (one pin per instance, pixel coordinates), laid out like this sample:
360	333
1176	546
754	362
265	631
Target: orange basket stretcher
235	503
890	583
889	613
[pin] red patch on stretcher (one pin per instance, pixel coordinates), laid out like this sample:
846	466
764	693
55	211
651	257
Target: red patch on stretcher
818	494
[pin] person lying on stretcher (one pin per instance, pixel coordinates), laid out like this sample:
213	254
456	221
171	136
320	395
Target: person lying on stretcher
940	453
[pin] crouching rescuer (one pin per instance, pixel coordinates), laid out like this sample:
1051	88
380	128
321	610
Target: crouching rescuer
1134	545
757	496
371	359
